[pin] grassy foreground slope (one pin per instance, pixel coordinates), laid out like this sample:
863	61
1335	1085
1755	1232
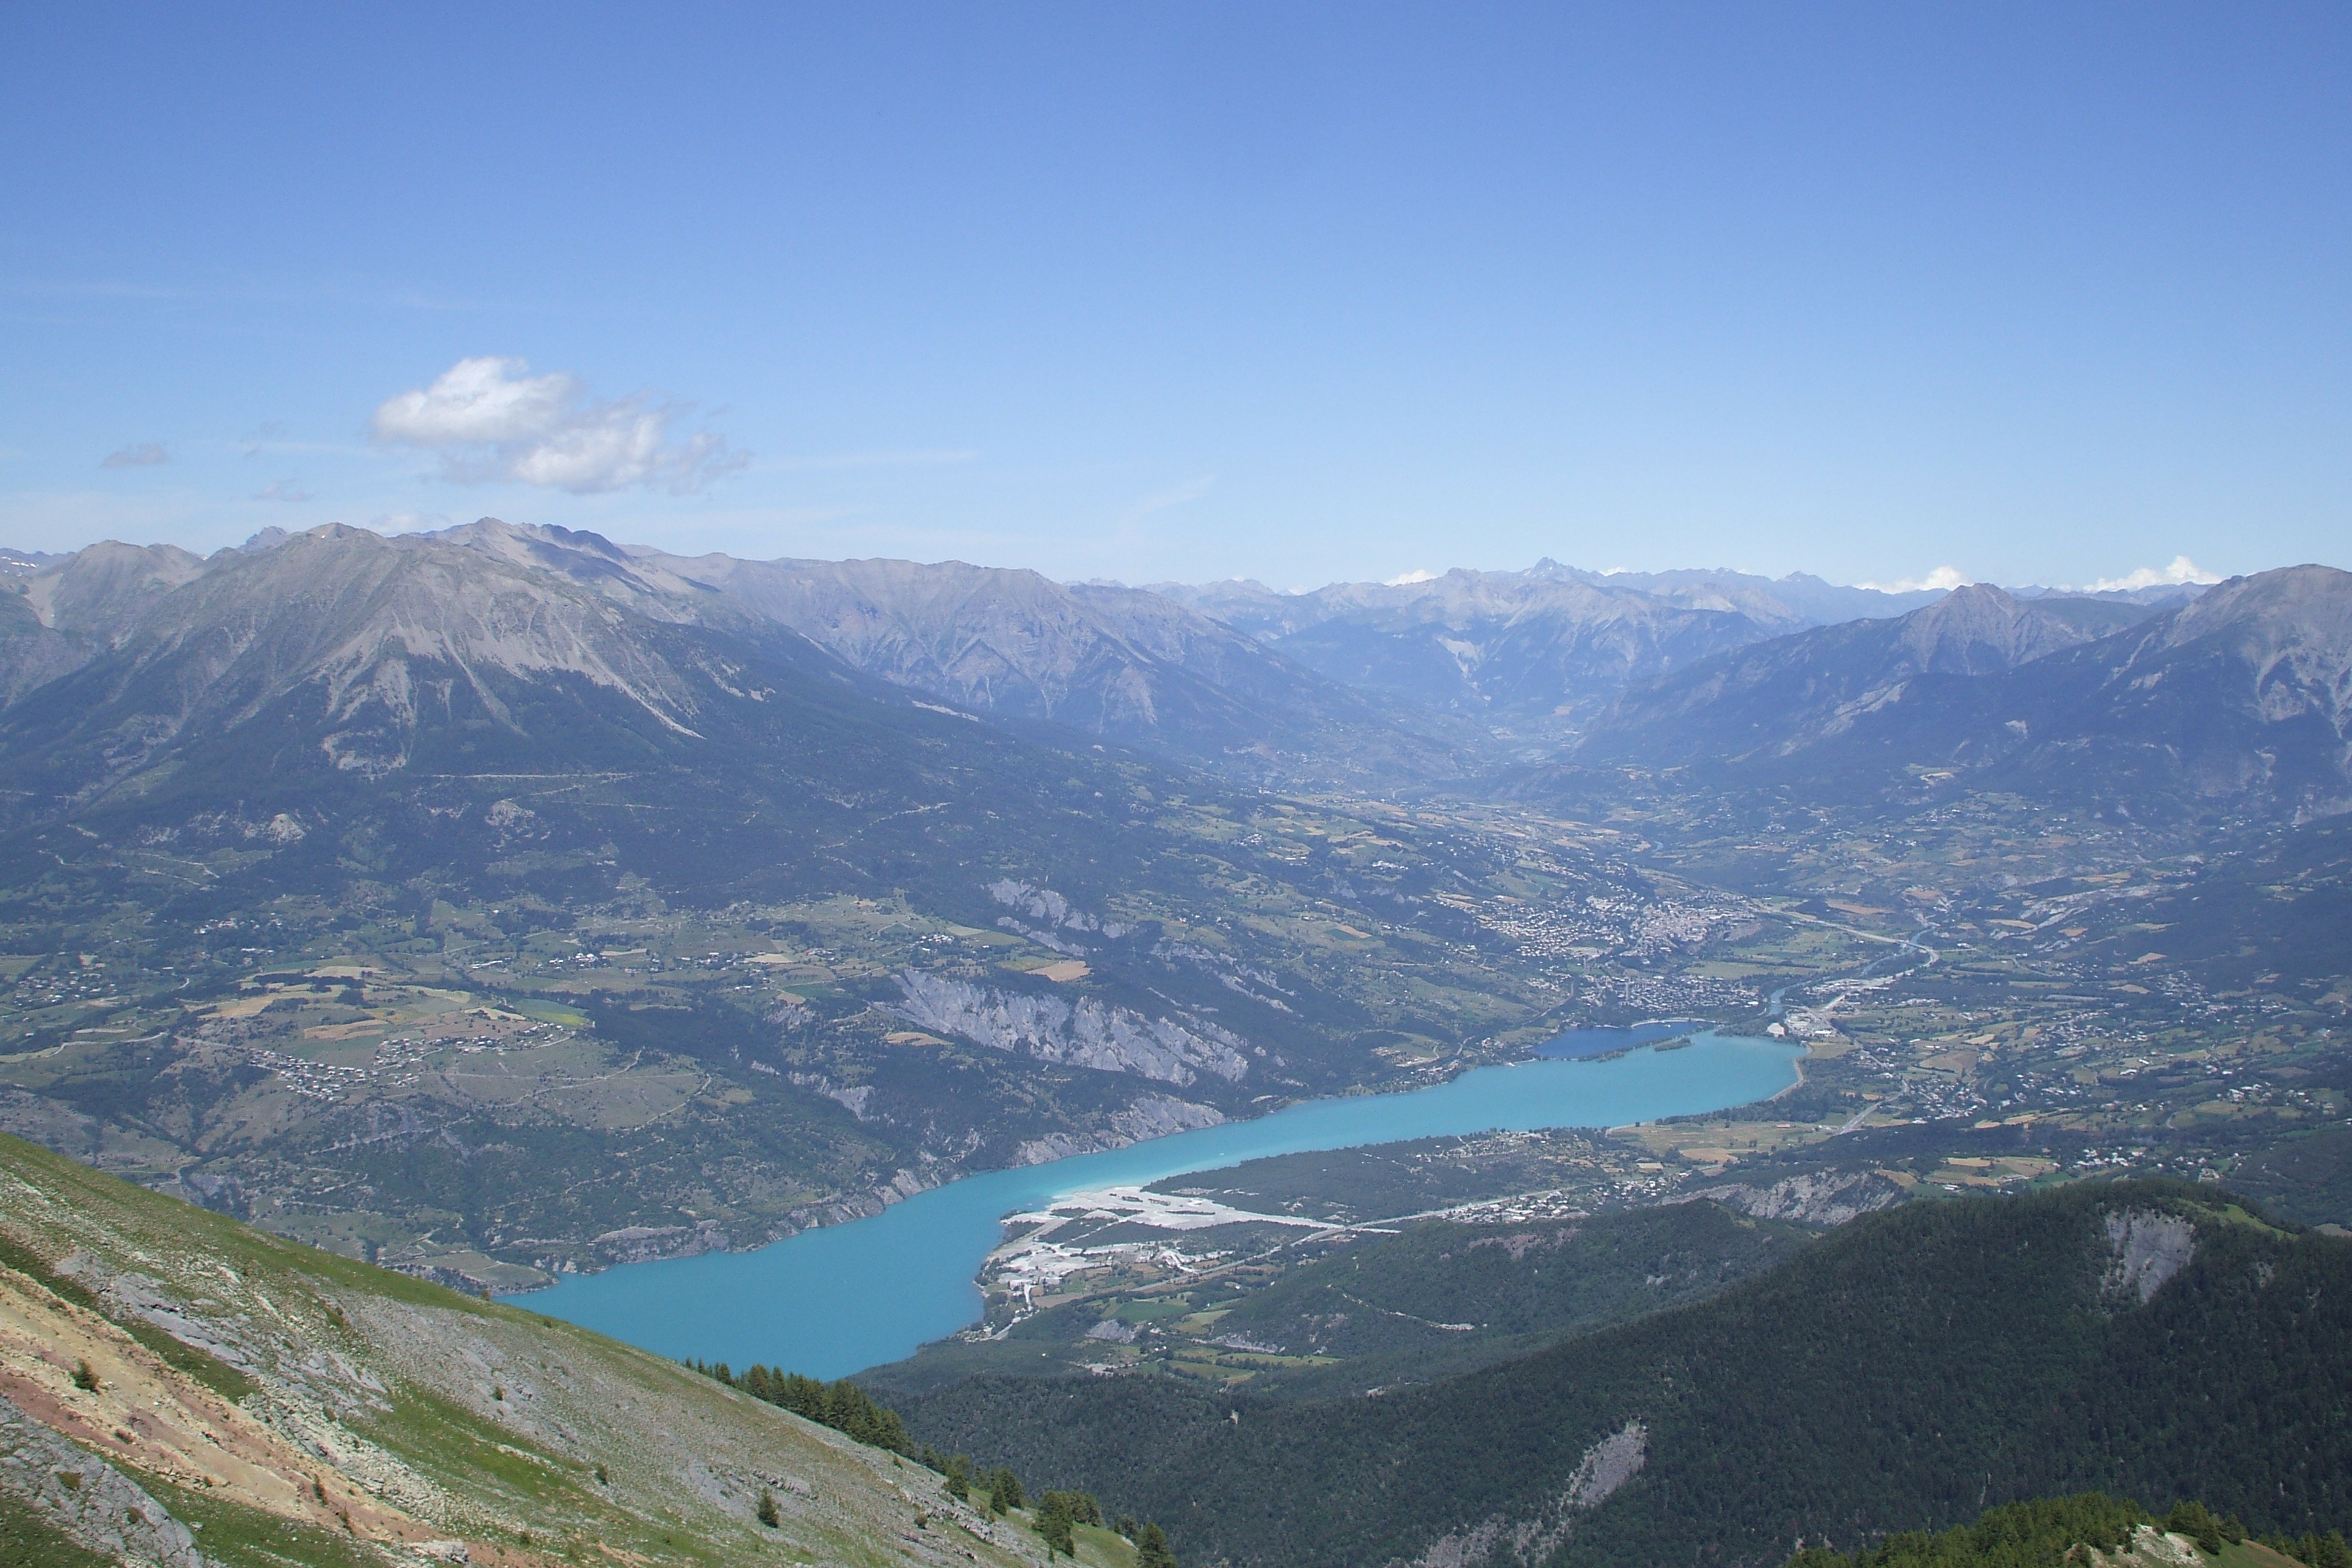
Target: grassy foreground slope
2151	1339
300	1407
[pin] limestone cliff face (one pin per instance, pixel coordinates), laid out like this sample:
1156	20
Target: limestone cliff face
1090	1033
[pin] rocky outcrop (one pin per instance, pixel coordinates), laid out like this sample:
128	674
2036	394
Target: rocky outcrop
1608	1465
2148	1248
1153	1116
645	1243
1828	1198
1090	1033
86	1499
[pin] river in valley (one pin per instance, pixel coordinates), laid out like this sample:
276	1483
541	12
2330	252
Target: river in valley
835	1299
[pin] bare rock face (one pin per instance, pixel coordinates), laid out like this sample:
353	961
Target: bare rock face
90	1502
2148	1548
2149	1249
1091	1033
1151	1116
1607	1466
1828	1199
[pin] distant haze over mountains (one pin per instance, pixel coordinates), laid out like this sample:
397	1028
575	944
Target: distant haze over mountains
2175	692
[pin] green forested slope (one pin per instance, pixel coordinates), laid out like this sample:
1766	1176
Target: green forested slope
1902	1374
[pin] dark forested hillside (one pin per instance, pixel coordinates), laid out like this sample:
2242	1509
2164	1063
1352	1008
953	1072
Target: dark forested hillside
1433	1299
2149	1338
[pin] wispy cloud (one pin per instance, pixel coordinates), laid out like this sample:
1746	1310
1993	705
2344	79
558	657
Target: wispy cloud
491	420
2182	570
1161	500
280	489
1942	577
142	454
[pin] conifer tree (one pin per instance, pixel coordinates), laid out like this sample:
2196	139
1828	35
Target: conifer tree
1152	1549
1054	1523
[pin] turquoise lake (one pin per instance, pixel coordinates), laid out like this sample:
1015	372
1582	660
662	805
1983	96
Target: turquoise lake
833	1300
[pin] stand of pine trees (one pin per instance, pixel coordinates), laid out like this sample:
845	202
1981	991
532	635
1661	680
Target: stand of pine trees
849	1410
842	1406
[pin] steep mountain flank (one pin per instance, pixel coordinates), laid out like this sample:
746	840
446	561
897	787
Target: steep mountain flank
1781	696
2240	699
177	1389
1116	663
344	673
62	612
2151	1339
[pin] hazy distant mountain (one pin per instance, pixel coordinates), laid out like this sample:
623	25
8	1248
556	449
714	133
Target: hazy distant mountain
2241	698
64	612
1118	663
1528	651
1538	652
1796	692
2161	595
1800	597
24	562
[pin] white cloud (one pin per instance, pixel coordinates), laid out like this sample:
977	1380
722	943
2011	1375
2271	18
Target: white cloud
143	455
1418	574
490	420
2182	569
1942	577
280	489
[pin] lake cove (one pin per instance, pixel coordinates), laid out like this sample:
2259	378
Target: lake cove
835	1299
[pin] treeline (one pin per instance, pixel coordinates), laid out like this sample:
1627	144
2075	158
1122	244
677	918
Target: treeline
2044	1534
842	1406
1058	1514
850	1410
1898	1375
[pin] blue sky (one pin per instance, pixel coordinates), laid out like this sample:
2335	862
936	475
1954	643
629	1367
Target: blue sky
2042	292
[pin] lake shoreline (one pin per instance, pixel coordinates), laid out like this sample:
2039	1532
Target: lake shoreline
836	1299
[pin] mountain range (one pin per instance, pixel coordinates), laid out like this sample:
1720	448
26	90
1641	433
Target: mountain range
1435	683
2240	699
